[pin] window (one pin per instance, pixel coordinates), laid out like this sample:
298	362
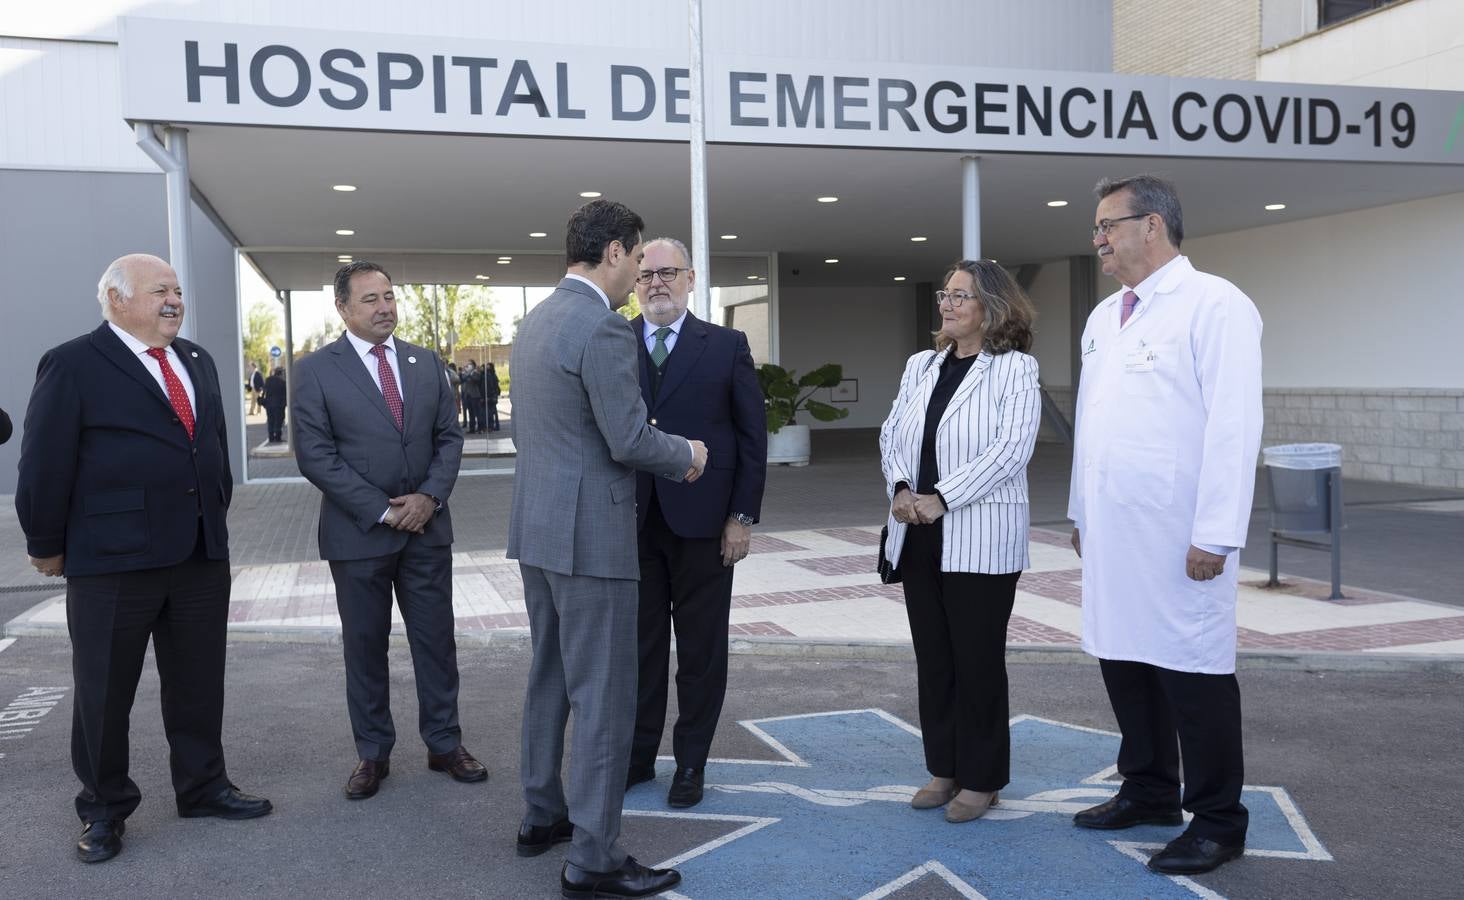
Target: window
1331	12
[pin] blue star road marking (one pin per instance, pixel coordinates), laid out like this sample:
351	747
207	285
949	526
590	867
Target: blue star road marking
831	818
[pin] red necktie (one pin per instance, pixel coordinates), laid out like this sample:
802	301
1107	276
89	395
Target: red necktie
388	384
176	394
1130	300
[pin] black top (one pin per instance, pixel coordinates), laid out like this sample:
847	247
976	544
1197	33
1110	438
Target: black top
952	373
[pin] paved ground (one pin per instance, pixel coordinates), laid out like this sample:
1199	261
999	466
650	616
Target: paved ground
1384	808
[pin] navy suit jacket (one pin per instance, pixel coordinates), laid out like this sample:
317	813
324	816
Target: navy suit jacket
108	474
710	393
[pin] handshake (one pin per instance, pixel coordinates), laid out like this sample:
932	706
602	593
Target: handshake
698	460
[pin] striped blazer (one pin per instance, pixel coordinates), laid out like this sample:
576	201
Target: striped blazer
982	446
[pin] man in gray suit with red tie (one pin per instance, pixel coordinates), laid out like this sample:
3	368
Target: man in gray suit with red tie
580	430
377	432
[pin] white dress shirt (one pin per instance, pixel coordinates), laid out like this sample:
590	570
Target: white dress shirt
174	363
651	328
368	359
598	292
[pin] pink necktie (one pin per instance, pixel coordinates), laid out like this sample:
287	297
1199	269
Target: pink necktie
1130	300
177	396
388	385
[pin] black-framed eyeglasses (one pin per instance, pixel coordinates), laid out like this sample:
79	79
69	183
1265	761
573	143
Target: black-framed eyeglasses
1106	225
668	274
954	298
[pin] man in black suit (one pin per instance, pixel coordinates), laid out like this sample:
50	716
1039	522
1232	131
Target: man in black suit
124	489
276	398
376	430
697	380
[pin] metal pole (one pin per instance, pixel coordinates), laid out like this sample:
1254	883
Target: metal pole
173	160
970	207
289	366
701	259
436	299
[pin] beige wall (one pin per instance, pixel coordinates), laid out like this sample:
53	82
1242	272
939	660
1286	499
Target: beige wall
1187	38
1417	44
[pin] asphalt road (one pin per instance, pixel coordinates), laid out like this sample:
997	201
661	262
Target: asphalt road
1370	759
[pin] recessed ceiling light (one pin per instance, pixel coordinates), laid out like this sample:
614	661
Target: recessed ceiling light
343	259
589	194
752	278
729	237
828	199
538	234
505	256
481	277
1273	207
343	188
832	259
345	232
919	238
899	277
504	262
1056	203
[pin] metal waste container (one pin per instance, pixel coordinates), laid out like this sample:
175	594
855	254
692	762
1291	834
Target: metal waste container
1304	482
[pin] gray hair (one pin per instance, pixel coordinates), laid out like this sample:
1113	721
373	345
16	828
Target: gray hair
117	277
680	247
1151	194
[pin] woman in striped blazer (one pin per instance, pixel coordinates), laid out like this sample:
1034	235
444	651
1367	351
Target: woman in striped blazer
954	452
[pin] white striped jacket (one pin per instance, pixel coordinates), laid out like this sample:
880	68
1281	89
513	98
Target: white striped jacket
982	447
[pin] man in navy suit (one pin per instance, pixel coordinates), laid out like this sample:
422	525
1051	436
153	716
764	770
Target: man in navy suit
697	380
124	489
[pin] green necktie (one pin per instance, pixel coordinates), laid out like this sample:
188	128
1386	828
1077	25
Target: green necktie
659	352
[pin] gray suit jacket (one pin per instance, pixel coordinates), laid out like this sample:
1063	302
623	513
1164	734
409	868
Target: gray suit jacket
349	447
580	428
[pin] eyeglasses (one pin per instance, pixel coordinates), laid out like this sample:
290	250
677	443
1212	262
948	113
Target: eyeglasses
668	274
1106	225
954	298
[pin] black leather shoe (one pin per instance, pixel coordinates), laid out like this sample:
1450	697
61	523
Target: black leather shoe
536	839
639	775
367	778
458	763
630	880
1191	854
686	788
100	840
1123	813
229	803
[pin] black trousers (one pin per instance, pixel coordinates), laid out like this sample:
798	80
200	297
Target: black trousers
473	407
1153	705
274	416
184	609
422	579
958	623
683	585
492	414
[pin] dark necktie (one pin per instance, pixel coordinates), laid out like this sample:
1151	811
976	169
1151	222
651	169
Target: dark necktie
1130	300
389	388
177	396
659	352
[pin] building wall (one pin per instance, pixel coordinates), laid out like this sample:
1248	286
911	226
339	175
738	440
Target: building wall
1188	38
74	224
1414	44
868	330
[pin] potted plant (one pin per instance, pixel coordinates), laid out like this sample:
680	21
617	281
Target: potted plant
784	396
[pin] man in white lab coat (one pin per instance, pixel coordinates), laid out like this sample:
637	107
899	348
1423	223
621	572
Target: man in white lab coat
1168	427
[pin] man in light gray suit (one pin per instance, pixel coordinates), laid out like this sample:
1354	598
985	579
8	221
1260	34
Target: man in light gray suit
581	431
377	433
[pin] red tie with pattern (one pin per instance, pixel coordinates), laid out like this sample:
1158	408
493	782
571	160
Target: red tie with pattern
176	394
1130	300
389	388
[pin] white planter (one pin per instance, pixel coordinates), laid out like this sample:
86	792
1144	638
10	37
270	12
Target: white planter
788	446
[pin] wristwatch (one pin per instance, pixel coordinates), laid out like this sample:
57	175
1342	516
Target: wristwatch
742	519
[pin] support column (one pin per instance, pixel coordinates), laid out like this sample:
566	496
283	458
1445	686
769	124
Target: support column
289	366
173	160
701	259
1082	297
970	207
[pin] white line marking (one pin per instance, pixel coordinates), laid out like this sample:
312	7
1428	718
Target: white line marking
755	823
1298	823
1138	851
930	868
5	642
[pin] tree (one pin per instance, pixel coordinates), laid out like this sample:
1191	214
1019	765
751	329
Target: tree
464	316
631	309
263	328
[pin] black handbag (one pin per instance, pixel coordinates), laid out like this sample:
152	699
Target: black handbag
888	572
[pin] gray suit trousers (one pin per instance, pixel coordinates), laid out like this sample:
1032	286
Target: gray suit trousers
584	638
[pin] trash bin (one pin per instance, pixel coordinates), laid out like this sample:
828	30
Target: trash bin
1305	485
1300	480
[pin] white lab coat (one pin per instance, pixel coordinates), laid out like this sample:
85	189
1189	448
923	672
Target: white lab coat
1168	428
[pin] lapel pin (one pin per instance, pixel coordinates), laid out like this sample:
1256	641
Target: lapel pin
411	359
194	354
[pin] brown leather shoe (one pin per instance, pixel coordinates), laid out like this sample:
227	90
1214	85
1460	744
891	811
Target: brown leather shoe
458	763
366	779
